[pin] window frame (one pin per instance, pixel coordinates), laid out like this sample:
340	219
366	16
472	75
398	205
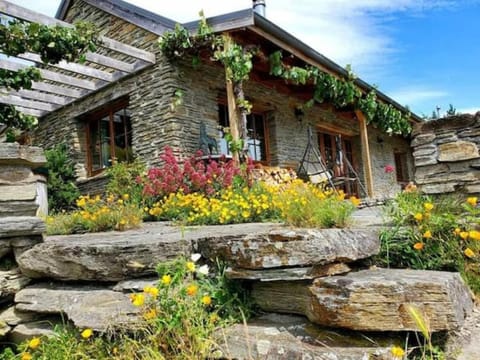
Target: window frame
95	117
401	167
223	110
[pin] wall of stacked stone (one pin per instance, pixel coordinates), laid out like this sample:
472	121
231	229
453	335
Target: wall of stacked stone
446	153
22	198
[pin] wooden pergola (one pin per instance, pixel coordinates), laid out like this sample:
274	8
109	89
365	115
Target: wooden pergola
66	82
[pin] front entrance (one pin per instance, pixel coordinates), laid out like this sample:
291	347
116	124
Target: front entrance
337	152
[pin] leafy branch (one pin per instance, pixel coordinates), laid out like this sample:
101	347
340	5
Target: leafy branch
52	43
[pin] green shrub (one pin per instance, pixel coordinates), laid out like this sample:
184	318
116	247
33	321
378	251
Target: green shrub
96	214
124	178
62	190
179	319
433	234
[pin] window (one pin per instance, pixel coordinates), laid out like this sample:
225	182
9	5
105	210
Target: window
256	133
109	137
401	168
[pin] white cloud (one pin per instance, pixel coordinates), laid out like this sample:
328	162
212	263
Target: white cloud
417	95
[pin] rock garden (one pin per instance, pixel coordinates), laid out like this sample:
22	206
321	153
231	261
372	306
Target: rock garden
201	260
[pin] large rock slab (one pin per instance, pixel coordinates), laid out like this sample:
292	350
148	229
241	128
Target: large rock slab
86	306
13	153
260	246
13	226
285	337
111	256
373	300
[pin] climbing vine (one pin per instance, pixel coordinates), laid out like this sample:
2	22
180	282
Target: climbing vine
341	92
52	43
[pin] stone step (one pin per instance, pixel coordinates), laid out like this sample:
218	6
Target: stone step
285	337
116	256
372	300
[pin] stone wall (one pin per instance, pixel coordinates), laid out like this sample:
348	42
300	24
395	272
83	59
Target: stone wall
446	153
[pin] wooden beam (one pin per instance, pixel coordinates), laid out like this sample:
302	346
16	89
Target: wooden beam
22	13
234	116
59	90
110	62
367	163
33	112
52	76
18	101
72	67
290	49
40	96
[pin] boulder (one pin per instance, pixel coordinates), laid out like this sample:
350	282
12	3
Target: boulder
373	300
86	306
111	256
279	337
264	246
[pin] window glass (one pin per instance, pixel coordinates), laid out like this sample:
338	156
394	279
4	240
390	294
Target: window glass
109	137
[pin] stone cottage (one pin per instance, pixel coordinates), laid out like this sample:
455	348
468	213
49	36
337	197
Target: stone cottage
129	106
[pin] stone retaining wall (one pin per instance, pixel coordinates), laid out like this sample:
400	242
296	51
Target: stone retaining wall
446	154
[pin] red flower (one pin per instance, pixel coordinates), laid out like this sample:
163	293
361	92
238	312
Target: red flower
389	169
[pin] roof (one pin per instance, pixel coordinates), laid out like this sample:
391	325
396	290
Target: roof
231	21
136	15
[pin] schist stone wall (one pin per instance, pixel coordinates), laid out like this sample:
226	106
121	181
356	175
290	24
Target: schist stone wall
156	124
446	153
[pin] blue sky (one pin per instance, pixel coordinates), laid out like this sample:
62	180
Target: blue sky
422	53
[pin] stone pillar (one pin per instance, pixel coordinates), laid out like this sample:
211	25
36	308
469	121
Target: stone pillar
22	194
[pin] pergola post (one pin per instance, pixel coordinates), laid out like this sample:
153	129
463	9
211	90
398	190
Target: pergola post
234	112
366	160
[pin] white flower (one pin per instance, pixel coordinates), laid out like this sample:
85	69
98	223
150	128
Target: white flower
203	270
195	257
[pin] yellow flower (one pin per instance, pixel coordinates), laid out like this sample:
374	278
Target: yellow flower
166	279
474	234
472	200
469	253
464	235
397	352
125	197
428	206
87	333
457	231
206	300
34	343
427	234
137	299
150	314
191	266
355	201
418	246
81	202
192	290
151	290
418	216
120	201
26	356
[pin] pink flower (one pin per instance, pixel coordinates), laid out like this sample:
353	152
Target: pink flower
389	169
